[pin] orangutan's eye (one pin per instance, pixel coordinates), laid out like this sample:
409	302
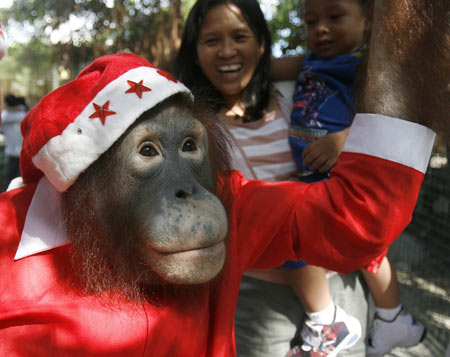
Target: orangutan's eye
148	150
189	145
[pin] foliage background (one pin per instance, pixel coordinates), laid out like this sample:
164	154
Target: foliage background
65	35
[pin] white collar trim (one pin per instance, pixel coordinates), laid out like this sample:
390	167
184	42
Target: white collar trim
44	228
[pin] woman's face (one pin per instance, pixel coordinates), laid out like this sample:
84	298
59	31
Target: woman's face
228	51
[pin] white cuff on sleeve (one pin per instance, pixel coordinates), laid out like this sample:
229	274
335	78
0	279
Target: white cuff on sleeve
392	139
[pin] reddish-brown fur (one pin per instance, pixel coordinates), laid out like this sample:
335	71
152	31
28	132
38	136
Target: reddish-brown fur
408	66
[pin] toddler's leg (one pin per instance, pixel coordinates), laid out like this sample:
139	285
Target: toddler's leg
383	286
392	325
327	329
311	287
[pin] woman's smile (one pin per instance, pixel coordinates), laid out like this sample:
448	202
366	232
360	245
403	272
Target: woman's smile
229	68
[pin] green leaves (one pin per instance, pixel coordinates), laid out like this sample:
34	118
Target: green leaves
69	34
286	26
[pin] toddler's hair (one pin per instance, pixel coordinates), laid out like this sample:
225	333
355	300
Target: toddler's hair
366	6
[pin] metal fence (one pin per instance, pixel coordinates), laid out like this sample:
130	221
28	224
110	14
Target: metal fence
422	259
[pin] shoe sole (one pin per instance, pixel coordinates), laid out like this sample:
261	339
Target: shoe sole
379	354
420	340
347	342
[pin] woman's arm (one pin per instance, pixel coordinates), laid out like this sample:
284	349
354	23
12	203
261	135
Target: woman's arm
285	68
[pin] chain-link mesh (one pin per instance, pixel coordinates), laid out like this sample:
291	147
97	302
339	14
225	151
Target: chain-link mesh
422	258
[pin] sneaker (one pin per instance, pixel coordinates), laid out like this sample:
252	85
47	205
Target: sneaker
402	331
328	340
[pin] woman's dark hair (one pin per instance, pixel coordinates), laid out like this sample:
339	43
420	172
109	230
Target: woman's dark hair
256	96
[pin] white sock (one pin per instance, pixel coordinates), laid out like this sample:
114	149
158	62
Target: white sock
388	314
323	317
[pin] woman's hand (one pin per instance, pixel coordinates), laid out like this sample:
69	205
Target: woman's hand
322	154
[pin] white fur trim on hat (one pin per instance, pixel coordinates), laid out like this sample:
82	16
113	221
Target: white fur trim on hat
65	156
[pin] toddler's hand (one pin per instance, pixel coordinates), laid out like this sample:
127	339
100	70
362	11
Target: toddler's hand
322	154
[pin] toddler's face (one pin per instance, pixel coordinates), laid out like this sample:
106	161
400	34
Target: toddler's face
334	27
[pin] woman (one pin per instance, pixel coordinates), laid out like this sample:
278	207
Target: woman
243	86
225	58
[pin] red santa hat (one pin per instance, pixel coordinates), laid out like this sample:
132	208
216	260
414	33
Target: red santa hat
72	126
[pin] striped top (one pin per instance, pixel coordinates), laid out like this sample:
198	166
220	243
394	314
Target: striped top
261	148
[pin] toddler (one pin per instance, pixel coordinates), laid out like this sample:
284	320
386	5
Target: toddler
320	120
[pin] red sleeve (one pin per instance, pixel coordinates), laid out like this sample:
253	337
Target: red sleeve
341	224
345	222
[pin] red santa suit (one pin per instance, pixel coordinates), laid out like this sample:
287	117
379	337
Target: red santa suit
341	224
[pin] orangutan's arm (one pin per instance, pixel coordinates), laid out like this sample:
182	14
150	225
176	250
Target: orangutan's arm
408	65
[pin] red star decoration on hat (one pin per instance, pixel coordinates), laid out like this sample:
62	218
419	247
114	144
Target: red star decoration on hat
102	112
137	88
167	75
